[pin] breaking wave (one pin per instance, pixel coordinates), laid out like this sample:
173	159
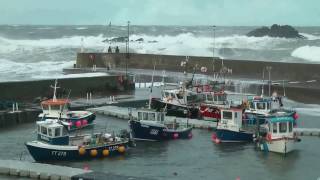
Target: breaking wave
310	53
310	36
182	44
10	70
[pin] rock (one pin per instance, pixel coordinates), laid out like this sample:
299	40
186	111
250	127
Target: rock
117	39
140	40
154	41
275	30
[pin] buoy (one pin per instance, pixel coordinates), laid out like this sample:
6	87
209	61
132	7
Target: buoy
82	151
190	135
295	116
93	152
105	152
175	136
217	141
78	124
84	122
121	149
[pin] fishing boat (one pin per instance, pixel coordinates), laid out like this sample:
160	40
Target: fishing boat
229	128
54	144
213	101
277	135
179	103
151	126
59	109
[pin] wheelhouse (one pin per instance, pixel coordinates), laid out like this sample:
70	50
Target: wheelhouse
280	126
52	132
151	115
262	105
231	118
55	107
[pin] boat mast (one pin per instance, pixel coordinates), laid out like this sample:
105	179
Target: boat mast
54	99
213	46
154	68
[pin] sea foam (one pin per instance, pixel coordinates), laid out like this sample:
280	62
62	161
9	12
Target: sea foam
311	53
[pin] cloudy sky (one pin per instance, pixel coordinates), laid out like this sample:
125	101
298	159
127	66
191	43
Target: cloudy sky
162	12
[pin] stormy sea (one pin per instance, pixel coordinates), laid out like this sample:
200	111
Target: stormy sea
29	52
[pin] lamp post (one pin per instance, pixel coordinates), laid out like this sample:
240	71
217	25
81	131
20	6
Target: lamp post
127	49
268	68
213	46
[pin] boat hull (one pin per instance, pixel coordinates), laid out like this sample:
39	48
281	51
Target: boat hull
225	135
282	146
42	152
176	110
73	121
157	133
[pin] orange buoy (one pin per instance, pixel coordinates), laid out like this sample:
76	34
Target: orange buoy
82	151
105	152
121	149
93	152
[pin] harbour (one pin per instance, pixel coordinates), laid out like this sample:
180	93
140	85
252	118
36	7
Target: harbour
91	102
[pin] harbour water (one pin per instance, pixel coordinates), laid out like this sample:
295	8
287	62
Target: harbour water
197	158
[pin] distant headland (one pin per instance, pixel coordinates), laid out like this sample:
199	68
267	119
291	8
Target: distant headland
276	30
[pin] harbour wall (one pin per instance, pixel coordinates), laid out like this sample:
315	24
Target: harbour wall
29	90
240	68
11	119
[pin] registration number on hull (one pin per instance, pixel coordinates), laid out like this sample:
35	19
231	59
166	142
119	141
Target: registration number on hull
59	153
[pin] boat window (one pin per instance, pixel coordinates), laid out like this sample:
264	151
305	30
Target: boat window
269	105
274	128
209	97
145	116
158	117
162	116
45	107
180	96
166	94
139	115
57	132
290	126
261	105
221	98
152	117
236	115
252	105
227	115
43	130
38	128
49	131
55	107
283	127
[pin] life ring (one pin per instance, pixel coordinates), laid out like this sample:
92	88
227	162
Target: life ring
120	79
269	138
91	57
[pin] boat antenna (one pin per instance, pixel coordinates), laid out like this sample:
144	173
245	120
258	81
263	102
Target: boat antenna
54	99
154	68
284	90
213	46
262	87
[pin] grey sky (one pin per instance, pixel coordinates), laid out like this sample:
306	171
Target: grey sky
162	12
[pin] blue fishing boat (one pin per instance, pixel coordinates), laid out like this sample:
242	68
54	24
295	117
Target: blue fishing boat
151	126
54	144
59	109
229	128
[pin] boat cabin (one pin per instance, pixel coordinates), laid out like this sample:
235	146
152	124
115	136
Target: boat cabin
181	97
51	132
150	115
262	105
55	107
231	118
219	98
279	126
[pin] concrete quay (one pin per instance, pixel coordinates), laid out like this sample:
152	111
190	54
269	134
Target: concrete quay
123	113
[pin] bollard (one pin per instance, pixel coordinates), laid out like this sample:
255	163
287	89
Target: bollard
87	98
113	99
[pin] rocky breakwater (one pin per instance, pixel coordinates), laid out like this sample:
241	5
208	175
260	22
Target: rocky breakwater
276	30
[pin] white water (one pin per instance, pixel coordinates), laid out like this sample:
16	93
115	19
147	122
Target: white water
311	53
